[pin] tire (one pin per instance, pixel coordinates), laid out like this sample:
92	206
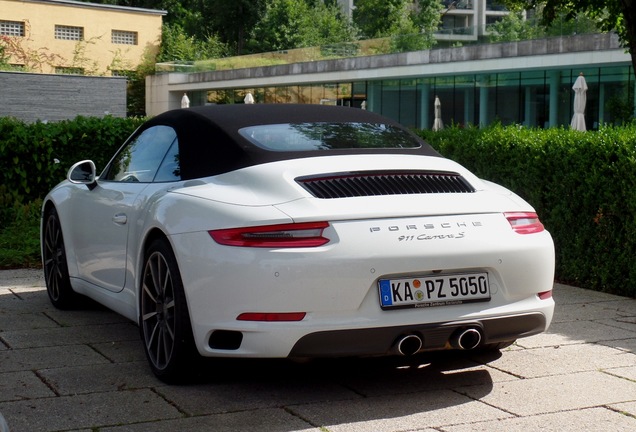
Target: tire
164	321
58	283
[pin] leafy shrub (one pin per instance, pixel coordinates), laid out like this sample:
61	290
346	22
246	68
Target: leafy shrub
34	157
582	184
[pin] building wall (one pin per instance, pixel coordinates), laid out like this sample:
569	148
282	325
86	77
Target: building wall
96	54
32	97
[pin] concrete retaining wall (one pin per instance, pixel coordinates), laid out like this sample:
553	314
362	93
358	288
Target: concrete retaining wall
32	97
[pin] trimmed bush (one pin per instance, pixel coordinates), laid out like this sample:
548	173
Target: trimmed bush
34	157
582	184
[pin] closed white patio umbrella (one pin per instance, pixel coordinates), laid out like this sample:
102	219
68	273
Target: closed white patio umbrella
580	98
249	99
185	101
438	124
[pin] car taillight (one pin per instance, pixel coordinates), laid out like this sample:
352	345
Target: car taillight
545	295
524	222
294	235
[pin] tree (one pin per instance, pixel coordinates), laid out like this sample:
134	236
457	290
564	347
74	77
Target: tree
136	85
581	24
281	26
513	27
410	24
381	18
289	24
176	45
428	15
232	21
611	15
201	18
329	25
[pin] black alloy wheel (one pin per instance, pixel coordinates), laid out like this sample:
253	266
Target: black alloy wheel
164	320
58	284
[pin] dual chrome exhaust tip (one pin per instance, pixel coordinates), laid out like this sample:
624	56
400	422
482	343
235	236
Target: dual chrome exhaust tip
466	338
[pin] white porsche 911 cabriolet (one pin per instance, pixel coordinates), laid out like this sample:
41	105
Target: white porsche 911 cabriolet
295	231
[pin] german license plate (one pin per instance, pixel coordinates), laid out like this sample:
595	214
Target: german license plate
435	290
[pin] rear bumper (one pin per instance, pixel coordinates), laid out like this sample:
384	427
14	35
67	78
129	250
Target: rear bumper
337	287
382	341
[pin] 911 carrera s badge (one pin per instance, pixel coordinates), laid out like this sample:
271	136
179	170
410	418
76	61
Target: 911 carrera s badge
405	238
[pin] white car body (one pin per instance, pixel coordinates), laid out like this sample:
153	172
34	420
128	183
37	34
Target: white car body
238	296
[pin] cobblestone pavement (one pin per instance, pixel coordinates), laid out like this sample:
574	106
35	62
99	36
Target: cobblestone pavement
85	371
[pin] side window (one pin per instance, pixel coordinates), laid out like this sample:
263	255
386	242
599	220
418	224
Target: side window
139	160
170	170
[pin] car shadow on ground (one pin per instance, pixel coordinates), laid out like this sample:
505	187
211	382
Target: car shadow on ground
432	370
352	390
432	366
365	376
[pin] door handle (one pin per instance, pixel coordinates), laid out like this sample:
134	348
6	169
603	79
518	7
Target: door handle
120	219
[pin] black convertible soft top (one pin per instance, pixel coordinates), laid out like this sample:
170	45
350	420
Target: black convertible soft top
210	142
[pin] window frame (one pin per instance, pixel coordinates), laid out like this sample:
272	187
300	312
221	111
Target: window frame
67	70
12	28
67	32
124	37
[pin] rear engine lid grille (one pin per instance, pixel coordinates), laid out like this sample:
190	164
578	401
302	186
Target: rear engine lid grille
346	185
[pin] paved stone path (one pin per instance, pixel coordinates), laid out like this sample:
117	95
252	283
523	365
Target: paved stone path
85	371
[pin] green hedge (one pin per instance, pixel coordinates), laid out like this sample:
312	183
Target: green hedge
34	157
582	184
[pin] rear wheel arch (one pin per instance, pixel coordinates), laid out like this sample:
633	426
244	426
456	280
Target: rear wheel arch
47	206
151	236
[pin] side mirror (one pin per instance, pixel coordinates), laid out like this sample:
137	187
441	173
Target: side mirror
83	172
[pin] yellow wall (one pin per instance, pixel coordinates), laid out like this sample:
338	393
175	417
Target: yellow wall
96	54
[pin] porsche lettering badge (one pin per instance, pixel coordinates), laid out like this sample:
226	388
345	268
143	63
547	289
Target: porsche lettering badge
411	228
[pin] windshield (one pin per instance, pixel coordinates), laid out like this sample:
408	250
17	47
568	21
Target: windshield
328	136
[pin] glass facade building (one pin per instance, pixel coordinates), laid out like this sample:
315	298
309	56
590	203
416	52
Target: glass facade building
530	98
